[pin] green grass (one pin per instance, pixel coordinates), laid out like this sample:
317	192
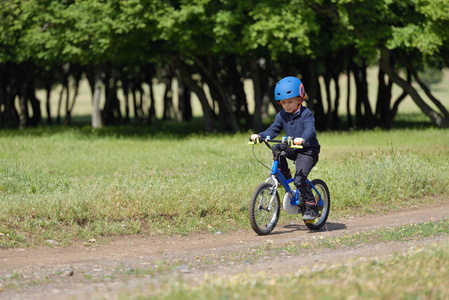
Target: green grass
67	184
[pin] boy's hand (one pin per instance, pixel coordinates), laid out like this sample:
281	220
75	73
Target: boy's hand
298	141
254	137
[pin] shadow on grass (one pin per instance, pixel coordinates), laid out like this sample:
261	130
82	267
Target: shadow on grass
81	128
401	121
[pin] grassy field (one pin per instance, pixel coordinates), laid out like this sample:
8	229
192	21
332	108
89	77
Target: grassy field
67	184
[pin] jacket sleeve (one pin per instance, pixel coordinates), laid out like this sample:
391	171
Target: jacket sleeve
309	126
274	129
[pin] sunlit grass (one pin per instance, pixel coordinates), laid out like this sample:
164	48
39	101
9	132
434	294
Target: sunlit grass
74	183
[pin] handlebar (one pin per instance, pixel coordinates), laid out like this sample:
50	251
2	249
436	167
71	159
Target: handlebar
285	140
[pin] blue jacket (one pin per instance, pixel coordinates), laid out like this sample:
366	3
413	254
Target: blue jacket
301	124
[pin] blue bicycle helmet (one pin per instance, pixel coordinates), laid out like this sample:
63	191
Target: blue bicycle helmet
288	87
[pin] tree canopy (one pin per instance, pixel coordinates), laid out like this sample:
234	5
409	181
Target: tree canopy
122	44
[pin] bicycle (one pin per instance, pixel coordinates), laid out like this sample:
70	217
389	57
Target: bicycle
264	205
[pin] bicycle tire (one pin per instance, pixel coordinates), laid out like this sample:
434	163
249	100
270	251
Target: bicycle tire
321	186
262	217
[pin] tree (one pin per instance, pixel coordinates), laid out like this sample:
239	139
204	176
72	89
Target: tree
215	46
418	40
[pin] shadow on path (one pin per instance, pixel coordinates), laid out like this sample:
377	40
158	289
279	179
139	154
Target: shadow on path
288	228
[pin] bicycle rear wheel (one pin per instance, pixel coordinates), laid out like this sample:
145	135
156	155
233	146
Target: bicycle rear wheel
324	209
264	208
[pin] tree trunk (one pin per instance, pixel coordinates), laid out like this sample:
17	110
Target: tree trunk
47	102
226	106
67	105
58	115
111	111
140	103
65	86
152	109
335	124
125	87
137	114
364	114
184	101
11	116
2	101
208	114
329	115
91	75
267	77
257	115
149	80
383	112
436	118
23	103
398	101
168	95
35	105
429	94
70	105
348	96
96	97
315	101
237	90
268	86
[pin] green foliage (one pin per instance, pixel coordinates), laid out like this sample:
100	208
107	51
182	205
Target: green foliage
122	39
281	27
91	31
423	26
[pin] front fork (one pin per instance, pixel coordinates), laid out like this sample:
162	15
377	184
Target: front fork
276	178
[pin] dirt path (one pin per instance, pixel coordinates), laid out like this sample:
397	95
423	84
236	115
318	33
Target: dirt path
95	271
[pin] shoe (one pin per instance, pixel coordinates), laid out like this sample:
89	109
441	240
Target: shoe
310	214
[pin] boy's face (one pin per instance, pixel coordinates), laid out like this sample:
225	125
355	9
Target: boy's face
290	105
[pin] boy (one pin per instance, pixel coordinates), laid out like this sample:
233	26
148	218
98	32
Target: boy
298	122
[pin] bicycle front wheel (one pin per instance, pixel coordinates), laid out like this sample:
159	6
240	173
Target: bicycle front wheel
264	208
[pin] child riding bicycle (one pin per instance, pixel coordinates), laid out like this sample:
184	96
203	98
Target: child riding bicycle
298	122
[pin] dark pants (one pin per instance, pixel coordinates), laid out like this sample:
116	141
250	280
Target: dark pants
304	162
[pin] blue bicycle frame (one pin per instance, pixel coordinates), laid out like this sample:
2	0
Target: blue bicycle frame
285	183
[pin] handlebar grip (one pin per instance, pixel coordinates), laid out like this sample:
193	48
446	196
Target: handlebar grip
284	140
290	142
296	146
255	142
